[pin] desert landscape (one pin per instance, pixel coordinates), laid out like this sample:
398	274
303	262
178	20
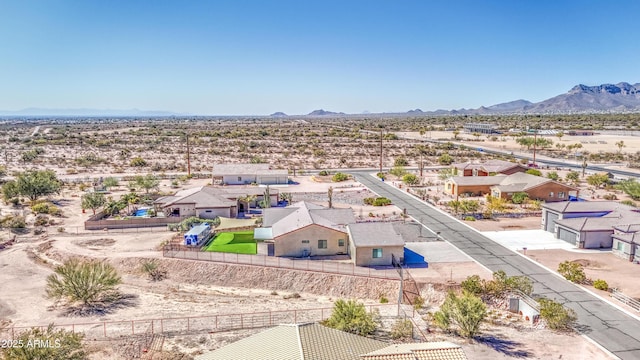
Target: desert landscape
82	153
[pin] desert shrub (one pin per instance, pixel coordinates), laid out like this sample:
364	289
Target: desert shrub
338	177
519	197
465	312
323	173
601	285
401	161
41	220
572	271
351	316
381	175
410	179
418	302
473	284
402	329
556	315
535	172
40	208
397	171
87	282
445	159
381	201
383	299
469	218
138	162
610	197
291	296
153	270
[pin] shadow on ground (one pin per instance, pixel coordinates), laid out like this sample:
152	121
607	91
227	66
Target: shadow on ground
504	346
108	306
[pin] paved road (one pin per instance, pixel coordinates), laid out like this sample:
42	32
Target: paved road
611	328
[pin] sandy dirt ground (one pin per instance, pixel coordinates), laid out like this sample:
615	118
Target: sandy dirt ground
617	272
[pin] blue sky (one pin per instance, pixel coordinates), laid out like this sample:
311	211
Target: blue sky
259	57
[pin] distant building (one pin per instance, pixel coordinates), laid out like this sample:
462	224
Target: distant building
481	128
580	133
242	174
486	168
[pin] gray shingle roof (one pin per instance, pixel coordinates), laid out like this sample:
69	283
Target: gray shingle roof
301	214
200	197
584	206
374	234
588	223
297	342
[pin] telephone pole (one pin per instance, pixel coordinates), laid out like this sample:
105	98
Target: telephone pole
188	157
535	140
380	151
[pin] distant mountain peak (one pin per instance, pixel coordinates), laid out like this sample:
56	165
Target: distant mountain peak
278	114
416	111
322	112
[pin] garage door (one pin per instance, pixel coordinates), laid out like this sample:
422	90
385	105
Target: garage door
550	221
568	236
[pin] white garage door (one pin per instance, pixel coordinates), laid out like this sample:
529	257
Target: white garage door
568	236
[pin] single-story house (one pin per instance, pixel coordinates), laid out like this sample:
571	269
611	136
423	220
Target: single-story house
591	224
435	350
242	174
626	246
208	202
536	187
471	185
298	342
305	229
374	244
505	186
487	168
203	201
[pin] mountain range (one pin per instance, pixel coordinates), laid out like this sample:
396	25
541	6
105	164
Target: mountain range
605	98
613	98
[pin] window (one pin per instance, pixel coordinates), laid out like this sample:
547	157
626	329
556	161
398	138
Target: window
208	211
619	246
561	195
322	244
551	194
340	242
377	253
305	241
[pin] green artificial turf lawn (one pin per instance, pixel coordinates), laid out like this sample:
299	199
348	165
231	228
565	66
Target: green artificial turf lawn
241	242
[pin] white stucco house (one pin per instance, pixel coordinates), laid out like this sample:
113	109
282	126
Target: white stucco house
242	174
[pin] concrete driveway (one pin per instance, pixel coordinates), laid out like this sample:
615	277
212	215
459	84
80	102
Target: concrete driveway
530	239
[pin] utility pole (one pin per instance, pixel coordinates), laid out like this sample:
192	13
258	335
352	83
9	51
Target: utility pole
380	151
188	158
421	165
535	140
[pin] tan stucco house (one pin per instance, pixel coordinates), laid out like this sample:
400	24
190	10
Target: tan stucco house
305	229
373	244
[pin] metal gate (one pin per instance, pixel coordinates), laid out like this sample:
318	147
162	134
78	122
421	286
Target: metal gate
568	236
550	221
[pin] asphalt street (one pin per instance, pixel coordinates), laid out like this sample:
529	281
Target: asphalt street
613	329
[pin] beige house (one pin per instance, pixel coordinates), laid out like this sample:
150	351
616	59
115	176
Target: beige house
208	202
203	202
374	244
436	350
305	229
242	174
